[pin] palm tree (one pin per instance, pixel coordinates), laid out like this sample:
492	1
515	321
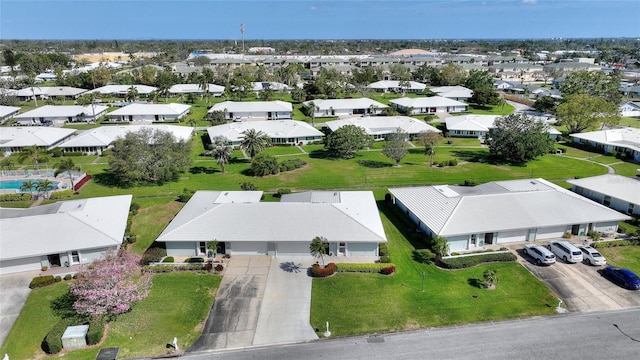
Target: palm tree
254	141
28	185
30	152
440	247
490	278
44	186
66	165
312	112
221	151
132	94
318	247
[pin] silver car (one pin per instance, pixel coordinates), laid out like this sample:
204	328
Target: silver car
592	256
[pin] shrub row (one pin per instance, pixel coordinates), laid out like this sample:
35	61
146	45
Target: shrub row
469	261
73	153
615	243
291	164
41	281
424	256
282	192
452	162
362	268
153	254
194	260
52	343
16	197
172	268
96	330
64	194
383	249
318	271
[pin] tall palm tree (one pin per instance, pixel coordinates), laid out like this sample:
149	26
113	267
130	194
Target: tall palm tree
319	247
66	165
44	186
30	152
132	94
440	247
28	185
221	151
254	141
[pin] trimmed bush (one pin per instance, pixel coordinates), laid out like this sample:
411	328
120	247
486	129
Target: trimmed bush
292	164
318	271
64	194
219	267
194	260
57	279
383	249
282	192
41	281
16	197
96	330
470	183
362	268
424	256
169	259
153	254
68	277
385	259
52	343
186	195
388	270
159	268
453	162
469	261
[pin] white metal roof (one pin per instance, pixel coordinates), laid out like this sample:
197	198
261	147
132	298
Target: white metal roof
106	135
354	219
500	206
471	122
452	91
122	89
194	88
623	137
273	128
425	102
172	109
616	186
338	104
63	226
252	106
50	91
62	111
395	84
8	110
380	125
19	136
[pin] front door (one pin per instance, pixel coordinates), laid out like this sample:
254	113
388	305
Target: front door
342	249
54	260
488	238
531	235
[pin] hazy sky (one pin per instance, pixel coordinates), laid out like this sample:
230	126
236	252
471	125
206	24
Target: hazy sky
318	19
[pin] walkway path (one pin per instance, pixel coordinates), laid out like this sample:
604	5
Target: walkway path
37	202
610	170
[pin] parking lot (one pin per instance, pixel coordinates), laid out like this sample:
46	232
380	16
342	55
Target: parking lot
581	286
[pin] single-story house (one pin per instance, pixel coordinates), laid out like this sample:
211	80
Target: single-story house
615	191
64	233
342	107
379	127
254	110
7	112
150	112
61	114
45	77
16	138
290	132
122	90
96	140
243	225
630	109
178	89
625	140
459	93
46	92
259	86
385	86
433	104
502	212
478	126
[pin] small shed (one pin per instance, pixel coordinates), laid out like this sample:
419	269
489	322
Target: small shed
75	337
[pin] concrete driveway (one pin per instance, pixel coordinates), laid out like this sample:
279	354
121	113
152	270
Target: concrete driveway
261	301
581	286
14	290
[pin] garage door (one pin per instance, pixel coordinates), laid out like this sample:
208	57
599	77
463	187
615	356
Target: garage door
248	248
297	248
19	265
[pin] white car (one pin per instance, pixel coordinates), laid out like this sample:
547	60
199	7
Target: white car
540	254
591	256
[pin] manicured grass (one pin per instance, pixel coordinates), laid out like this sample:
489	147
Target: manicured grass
153	216
283	150
623	256
371	303
451	142
492	110
176	307
629	121
626	169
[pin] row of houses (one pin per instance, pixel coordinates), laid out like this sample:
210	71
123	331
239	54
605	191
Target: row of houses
76	232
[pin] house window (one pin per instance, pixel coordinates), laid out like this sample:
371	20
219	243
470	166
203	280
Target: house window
607	200
75	257
202	248
630	209
473	239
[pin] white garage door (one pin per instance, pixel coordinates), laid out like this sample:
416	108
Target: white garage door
298	248
249	248
19	265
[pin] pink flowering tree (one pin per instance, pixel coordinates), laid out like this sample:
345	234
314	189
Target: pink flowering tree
111	285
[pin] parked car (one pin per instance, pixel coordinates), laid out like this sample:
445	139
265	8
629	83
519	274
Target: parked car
623	277
566	251
592	256
540	254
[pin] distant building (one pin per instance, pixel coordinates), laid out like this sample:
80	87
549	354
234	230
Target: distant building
280	132
61	114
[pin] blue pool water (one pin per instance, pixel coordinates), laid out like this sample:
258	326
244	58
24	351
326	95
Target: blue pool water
16	184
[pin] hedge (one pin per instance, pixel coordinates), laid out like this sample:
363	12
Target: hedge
96	330
318	271
615	243
194	260
362	268
383	250
41	281
16	197
52	343
469	261
169	259
57	195
291	164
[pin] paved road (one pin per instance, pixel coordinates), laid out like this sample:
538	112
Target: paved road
601	335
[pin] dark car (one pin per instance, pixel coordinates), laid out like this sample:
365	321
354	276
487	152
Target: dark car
623	277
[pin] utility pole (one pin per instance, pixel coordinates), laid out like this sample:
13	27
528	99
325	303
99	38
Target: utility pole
242	33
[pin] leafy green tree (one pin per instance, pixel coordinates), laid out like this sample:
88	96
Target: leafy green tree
518	138
318	247
485	96
264	164
66	165
298	95
346	140
580	112
254	141
399	72
545	104
479	79
426	74
452	74
366	75
592	83
429	140
395	146
221	151
148	155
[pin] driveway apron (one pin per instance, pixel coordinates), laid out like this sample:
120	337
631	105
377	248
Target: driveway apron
14	290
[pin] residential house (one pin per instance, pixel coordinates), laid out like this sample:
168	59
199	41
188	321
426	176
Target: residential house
96	140
345	107
171	112
459	93
478	126
254	110
379	127
428	105
16	138
64	233
630	109
259	86
122	90
61	114
243	225
621	140
385	86
180	89
522	72
615	191
502	212
281	132
49	92
7	112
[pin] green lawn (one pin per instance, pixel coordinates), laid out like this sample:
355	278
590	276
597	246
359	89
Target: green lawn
626	169
629	121
283	150
176	307
624	256
154	214
370	303
492	110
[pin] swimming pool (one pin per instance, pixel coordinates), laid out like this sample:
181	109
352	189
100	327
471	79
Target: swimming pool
16	184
